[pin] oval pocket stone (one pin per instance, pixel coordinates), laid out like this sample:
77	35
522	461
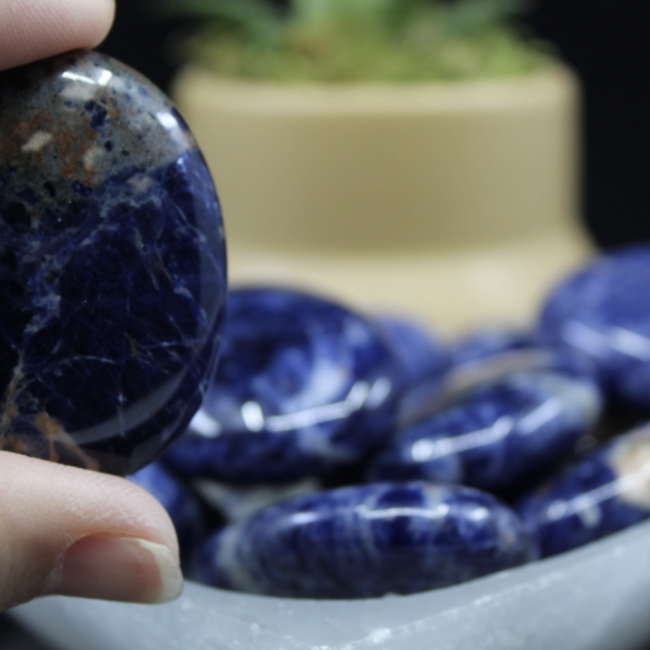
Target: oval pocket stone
495	435
601	311
112	265
367	541
489	342
304	387
607	490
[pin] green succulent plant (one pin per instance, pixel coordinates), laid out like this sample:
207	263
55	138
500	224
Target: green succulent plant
359	40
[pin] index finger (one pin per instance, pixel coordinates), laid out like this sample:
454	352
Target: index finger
35	29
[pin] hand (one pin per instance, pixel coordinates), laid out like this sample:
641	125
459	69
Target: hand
35	29
65	530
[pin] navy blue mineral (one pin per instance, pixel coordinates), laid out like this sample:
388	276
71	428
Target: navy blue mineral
367	541
489	342
184	509
422	359
419	353
304	386
236	502
495	436
603	312
112	265
606	491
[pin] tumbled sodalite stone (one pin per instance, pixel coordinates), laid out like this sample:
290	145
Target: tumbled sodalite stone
238	502
488	342
304	386
422	359
496	435
606	491
418	352
112	265
603	311
367	541
464	377
183	507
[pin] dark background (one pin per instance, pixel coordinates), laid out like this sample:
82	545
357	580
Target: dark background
605	41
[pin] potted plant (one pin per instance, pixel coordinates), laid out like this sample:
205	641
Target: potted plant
409	154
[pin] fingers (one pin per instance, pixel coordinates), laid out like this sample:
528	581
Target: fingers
74	532
65	530
35	29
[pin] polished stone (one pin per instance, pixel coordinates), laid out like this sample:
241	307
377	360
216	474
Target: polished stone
606	491
238	502
497	435
422	359
179	501
112	265
419	353
304	386
492	367
488	342
602	311
367	541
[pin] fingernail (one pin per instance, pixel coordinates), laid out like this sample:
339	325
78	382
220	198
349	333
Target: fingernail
117	568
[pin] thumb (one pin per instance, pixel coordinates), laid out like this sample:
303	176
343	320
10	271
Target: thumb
35	29
74	532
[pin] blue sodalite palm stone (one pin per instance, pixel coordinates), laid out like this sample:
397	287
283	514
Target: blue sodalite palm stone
422	359
419	353
367	541
496	435
603	312
184	509
489	342
606	491
237	502
304	386
112	265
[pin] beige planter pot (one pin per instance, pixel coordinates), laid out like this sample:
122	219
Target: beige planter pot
456	203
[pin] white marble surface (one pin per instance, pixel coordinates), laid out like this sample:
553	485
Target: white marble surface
594	598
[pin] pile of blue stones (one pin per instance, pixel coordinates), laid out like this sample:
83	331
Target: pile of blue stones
338	455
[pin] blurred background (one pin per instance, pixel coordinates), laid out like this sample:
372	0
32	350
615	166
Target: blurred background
604	41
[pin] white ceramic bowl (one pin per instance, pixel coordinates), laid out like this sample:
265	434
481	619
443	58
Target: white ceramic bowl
593	598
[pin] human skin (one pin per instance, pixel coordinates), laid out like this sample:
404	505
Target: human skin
65	530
